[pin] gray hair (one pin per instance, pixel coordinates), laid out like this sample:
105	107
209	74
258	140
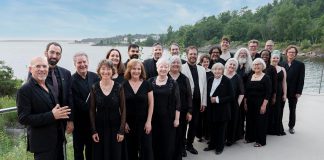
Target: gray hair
228	62
218	65
259	60
79	54
248	64
175	58
162	61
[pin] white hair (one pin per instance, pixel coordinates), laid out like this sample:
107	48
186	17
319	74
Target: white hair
248	63
161	61
261	61
228	63
217	65
175	58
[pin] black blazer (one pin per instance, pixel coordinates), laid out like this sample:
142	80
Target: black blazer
35	111
295	77
220	111
150	68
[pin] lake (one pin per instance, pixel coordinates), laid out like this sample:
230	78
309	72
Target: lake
17	54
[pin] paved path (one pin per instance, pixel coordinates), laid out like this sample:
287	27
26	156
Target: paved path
306	144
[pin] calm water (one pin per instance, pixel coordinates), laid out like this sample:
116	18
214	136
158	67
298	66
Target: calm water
18	54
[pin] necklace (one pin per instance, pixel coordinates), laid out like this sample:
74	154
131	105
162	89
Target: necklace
162	80
257	76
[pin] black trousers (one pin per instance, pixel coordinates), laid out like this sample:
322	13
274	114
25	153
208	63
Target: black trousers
82	140
292	101
193	124
217	136
55	154
139	144
180	136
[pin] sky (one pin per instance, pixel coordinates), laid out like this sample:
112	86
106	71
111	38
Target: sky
79	19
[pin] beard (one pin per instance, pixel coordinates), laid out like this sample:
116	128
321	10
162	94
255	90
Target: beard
52	61
242	60
134	56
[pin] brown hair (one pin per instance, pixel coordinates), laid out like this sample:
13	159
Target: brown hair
290	47
108	63
130	65
254	41
120	66
202	58
226	39
190	48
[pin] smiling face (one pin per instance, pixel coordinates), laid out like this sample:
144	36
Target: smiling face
157	52
39	69
105	72
133	53
231	67
291	53
53	54
81	64
253	47
218	71
215	54
265	55
192	56
174	50
163	69
175	66
136	71
225	45
275	60
114	57
205	63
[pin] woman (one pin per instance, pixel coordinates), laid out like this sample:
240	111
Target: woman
203	124
139	111
215	53
166	111
281	95
115	56
257	95
233	129
220	92
272	73
186	106
107	114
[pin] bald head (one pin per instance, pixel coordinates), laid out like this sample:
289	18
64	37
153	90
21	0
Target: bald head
39	68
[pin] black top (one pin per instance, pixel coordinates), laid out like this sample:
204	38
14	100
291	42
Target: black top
238	87
166	98
59	82
272	73
295	77
241	72
185	93
219	60
194	73
150	68
258	89
107	111
209	74
137	103
120	79
280	76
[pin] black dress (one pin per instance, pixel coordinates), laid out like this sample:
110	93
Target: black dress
139	144
107	116
272	73
120	79
256	124
166	102
186	107
278	107
233	128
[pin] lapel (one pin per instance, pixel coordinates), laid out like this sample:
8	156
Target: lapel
218	89
187	72
62	81
41	95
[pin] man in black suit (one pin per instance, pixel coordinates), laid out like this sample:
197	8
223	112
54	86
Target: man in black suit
39	110
82	80
295	82
150	64
133	53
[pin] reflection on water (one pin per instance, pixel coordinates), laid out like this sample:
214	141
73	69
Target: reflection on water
17	54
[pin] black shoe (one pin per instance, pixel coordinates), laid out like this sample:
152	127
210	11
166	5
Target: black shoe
191	149
291	131
283	133
229	143
184	153
209	148
219	152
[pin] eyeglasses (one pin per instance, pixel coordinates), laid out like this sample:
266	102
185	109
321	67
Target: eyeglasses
215	52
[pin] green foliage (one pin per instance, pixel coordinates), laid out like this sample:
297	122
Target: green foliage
8	84
293	21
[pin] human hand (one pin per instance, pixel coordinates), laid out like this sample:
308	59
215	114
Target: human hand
61	112
188	117
127	129
120	137
95	137
69	127
148	127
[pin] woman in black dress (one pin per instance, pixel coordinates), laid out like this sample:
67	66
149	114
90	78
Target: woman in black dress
107	114
257	95
139	111
186	106
115	56
272	73
281	95
166	111
233	128
220	92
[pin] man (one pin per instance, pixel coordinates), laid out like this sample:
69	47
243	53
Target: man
175	50
215	52
295	82
269	45
225	46
39	110
133	53
253	48
197	79
82	80
150	64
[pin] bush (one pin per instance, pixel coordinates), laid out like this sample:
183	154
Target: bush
305	44
9	84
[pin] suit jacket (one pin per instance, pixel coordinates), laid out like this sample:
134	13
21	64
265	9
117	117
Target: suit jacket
202	81
35	111
220	111
295	77
150	68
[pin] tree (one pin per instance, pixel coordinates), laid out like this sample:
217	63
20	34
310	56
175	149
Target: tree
8	84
